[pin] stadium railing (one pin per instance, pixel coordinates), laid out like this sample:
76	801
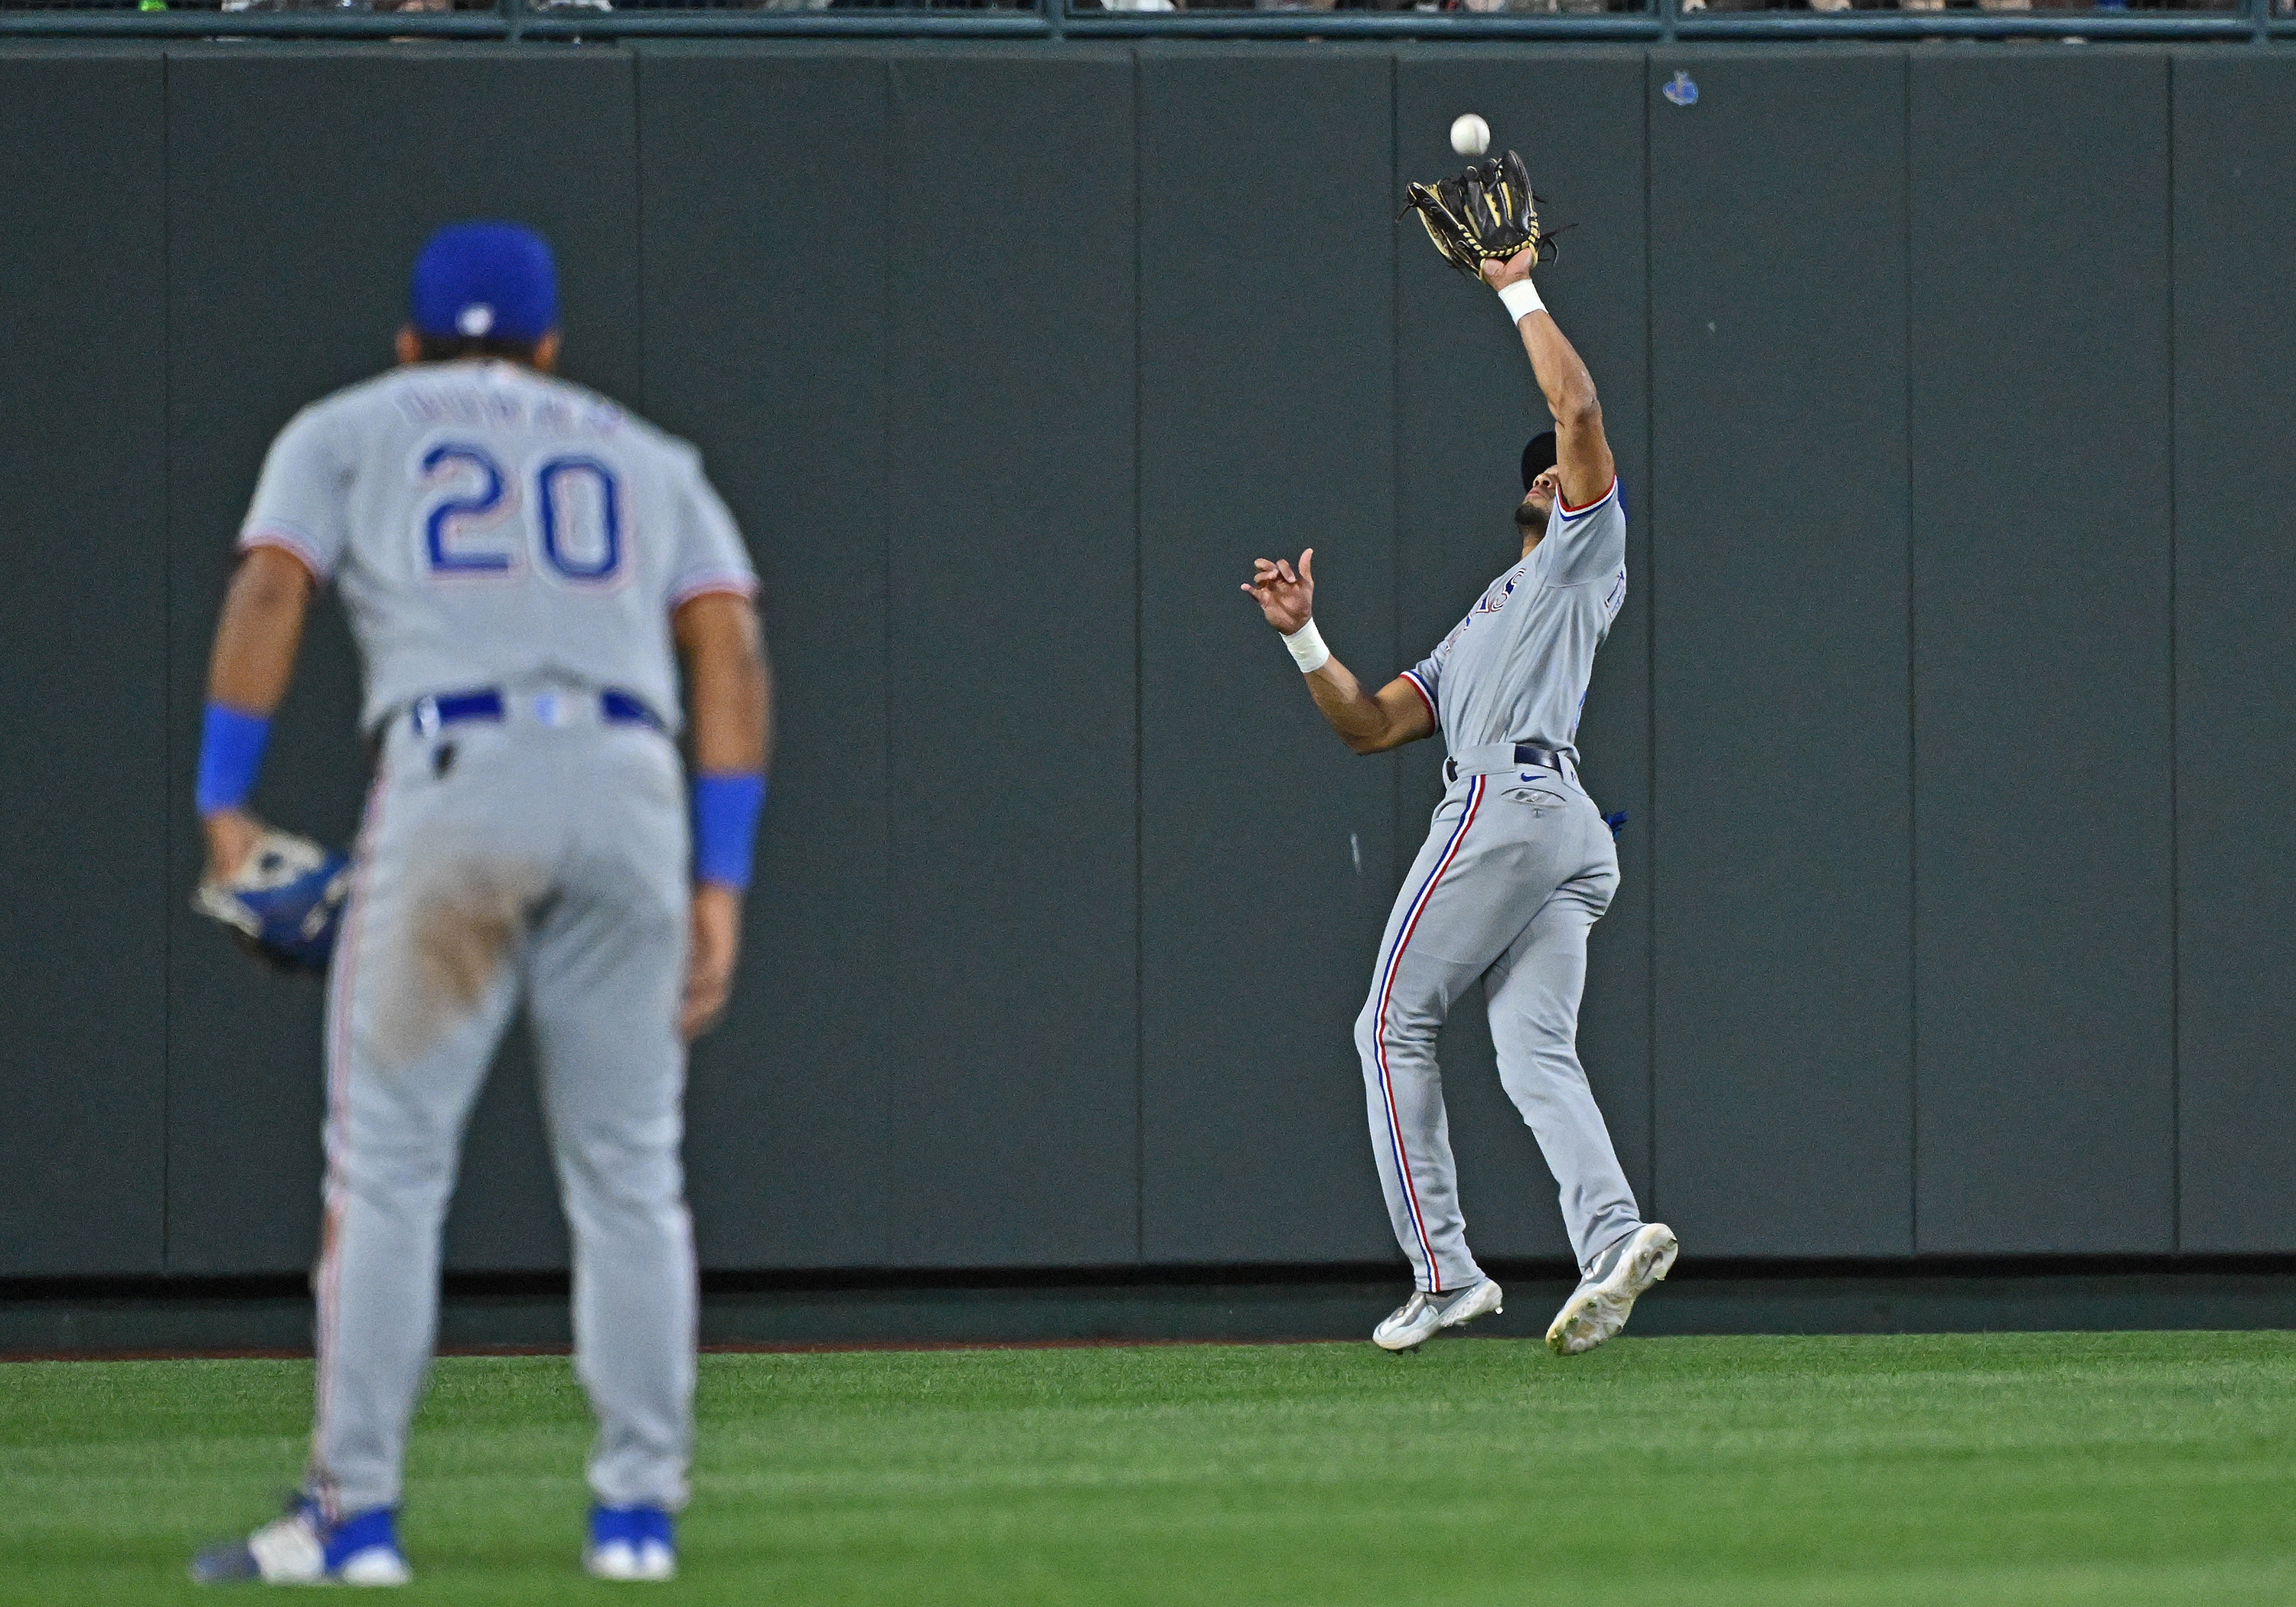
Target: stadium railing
1433	20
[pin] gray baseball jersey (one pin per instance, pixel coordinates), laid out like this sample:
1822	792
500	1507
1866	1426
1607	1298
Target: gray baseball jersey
494	531
1516	869
1515	670
486	525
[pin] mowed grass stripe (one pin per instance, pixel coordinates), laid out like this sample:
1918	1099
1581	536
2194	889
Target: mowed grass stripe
1979	1469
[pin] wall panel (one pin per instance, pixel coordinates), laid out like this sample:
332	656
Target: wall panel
764	317
2235	378
1783	927
1012	770
1266	847
2041	573
84	729
1466	402
271	306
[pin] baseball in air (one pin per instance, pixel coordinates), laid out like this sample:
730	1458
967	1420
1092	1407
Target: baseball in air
1470	135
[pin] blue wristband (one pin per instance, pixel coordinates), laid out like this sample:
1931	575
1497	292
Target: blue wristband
231	753
725	810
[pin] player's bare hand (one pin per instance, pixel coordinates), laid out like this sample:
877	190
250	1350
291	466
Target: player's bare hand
716	944
1514	270
1285	595
232	835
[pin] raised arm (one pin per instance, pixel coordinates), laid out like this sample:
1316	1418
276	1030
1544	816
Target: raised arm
1366	722
1582	452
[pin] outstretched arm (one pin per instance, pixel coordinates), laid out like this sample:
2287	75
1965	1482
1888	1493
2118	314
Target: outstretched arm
1582	452
1366	722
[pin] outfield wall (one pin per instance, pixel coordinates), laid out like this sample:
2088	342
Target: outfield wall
1954	704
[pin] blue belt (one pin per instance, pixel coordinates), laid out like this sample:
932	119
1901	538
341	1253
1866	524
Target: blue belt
456	707
615	707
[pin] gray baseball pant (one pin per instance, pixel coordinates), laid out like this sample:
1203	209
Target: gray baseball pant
1517	868
544	856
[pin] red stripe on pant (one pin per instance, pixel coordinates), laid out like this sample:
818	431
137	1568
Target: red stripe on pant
1386	996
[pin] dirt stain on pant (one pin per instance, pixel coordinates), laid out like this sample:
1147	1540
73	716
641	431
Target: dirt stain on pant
466	921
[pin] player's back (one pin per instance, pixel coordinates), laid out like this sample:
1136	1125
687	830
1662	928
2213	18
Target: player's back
490	525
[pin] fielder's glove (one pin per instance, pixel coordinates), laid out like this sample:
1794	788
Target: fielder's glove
285	901
1485	214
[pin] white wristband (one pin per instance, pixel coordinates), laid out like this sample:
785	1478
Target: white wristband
1522	299
1308	649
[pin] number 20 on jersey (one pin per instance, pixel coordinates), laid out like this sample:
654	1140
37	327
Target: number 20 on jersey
470	529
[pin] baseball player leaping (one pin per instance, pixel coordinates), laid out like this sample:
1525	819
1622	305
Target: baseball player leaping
1518	866
523	563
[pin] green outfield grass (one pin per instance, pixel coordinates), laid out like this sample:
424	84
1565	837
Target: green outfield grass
1690	1473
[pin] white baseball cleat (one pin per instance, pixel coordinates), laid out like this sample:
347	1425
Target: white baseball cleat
1423	1315
302	1549
1597	1309
634	1563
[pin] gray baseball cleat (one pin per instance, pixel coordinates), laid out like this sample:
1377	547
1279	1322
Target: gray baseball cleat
1597	1309
1421	1317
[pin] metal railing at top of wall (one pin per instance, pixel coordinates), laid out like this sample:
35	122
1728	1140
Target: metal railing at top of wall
2259	21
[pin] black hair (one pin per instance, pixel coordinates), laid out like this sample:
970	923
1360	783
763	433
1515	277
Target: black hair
446	348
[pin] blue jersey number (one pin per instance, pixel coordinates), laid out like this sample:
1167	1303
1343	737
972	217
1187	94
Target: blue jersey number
580	505
439	528
581	524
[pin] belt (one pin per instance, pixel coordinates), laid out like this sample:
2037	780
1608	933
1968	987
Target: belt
1494	757
615	708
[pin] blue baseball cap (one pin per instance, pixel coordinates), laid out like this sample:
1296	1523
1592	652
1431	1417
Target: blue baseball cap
484	280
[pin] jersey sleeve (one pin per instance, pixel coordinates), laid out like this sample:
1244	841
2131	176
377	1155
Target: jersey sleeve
1427	677
302	498
710	556
1590	543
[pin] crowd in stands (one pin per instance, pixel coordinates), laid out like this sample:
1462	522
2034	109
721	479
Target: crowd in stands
1508	7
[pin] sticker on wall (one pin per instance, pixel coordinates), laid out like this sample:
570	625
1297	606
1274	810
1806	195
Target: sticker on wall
1682	89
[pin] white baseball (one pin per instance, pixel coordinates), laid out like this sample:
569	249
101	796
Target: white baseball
1470	135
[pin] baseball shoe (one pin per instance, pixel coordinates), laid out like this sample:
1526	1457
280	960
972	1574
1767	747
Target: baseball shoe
631	1543
303	1548
1597	1309
1423	1315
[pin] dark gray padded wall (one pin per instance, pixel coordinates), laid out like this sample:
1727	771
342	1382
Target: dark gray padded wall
1266	859
1783	926
1012	765
2235	355
84	728
936	1057
2042	567
300	188
764	324
1466	402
